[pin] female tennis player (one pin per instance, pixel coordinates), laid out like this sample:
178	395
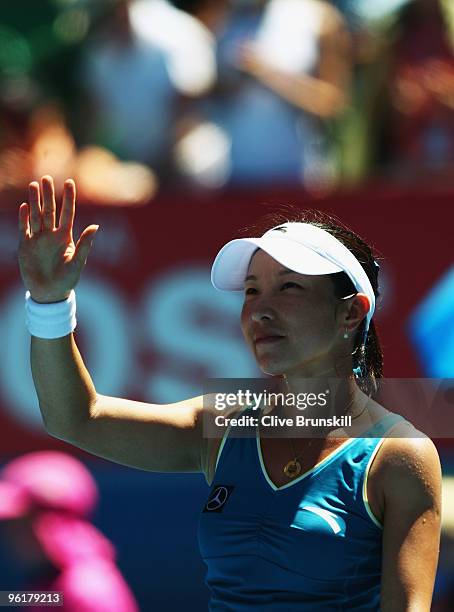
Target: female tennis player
348	520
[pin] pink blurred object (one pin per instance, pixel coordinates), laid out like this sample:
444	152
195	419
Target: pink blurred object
68	540
95	586
14	501
46	479
89	579
56	492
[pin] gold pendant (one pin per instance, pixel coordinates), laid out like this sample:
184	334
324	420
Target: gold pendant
292	469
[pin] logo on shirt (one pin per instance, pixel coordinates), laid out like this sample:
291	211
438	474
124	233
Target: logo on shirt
329	517
218	497
318	520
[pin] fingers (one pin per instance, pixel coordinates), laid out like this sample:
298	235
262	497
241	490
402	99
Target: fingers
43	209
84	243
48	202
24	222
68	206
35	208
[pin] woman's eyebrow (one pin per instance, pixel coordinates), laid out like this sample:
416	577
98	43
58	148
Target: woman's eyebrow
281	273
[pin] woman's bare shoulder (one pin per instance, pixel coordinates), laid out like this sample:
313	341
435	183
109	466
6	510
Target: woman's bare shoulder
405	452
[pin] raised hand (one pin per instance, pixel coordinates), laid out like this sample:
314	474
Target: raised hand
49	261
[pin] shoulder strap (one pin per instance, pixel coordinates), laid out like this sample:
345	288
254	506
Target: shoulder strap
379	429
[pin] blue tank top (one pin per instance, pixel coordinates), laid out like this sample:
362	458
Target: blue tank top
312	544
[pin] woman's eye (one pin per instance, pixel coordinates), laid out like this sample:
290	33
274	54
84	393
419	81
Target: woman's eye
287	285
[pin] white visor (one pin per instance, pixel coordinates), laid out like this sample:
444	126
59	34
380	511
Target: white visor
301	247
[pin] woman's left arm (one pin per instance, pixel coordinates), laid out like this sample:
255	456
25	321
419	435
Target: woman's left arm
411	497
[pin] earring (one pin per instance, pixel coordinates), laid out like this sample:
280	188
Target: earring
346	333
357	372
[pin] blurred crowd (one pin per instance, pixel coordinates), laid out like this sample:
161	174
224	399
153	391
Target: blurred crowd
134	96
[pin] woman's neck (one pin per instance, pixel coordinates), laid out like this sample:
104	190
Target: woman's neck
325	395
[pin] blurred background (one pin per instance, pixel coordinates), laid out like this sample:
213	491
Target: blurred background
183	122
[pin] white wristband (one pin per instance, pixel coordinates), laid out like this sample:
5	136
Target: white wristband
53	320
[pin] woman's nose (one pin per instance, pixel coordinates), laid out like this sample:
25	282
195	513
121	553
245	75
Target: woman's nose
262	314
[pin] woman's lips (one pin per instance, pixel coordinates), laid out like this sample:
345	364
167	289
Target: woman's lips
268	340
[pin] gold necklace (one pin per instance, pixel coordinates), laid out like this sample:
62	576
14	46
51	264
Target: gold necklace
292	468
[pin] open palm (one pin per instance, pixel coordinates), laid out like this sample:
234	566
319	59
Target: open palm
50	262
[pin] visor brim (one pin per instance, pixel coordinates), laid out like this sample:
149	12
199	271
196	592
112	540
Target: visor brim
230	267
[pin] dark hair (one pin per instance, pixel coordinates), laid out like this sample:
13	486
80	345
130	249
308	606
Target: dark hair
368	358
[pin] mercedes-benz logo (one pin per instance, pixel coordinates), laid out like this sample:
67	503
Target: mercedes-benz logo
218	497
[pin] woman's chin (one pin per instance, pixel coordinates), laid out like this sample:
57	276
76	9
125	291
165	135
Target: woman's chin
272	368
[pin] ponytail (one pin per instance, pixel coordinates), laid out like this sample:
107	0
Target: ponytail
368	360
